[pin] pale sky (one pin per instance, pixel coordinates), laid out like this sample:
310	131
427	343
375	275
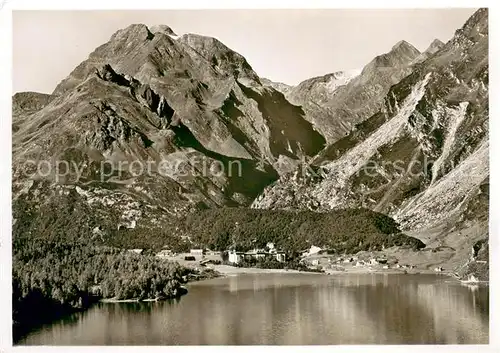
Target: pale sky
283	45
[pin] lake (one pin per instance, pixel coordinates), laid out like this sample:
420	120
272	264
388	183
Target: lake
288	309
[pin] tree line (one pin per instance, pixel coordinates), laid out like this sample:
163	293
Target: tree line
51	278
339	231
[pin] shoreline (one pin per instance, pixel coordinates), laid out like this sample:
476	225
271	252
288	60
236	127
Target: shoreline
227	270
111	300
224	271
184	291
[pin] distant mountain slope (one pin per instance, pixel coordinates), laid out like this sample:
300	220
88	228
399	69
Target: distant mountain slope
433	48
336	102
320	89
26	103
278	86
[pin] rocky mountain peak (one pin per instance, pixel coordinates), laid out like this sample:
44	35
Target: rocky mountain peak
162	29
403	50
435	114
473	30
434	47
401	54
134	32
403	45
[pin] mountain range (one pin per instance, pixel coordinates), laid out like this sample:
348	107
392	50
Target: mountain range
213	134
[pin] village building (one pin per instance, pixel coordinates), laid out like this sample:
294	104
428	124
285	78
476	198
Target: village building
256	254
280	256
313	250
165	253
197	252
235	257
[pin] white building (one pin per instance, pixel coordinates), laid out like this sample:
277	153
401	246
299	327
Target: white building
235	257
196	252
280	256
314	250
164	253
256	253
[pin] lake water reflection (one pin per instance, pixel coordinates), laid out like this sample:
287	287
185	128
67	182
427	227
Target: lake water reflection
297	309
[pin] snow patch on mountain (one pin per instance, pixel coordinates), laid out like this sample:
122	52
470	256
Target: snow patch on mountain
341	78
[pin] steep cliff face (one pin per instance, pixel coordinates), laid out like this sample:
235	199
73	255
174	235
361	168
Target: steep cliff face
422	158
